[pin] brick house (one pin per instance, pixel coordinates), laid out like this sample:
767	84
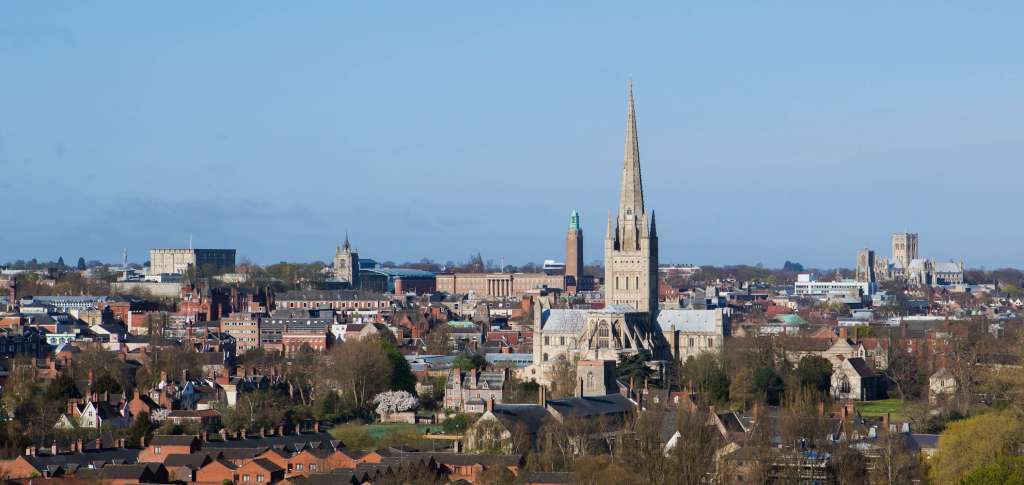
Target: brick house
163	445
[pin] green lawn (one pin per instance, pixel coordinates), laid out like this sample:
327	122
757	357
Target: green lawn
379	430
372	436
877	408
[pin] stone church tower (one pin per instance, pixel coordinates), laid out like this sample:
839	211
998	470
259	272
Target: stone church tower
346	264
574	254
631	246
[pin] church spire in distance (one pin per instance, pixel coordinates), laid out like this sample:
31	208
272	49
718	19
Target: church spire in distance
631	202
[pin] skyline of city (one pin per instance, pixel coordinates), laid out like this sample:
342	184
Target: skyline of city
810	151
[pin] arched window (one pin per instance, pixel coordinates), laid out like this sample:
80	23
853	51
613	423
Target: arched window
604	334
844	385
590	380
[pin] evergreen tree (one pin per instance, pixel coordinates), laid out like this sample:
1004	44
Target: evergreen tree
81	264
60	262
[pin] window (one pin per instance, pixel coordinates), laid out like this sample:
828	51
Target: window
561	340
156	451
245	478
603	336
545	357
312	467
590	380
689	342
547	340
259	478
298	467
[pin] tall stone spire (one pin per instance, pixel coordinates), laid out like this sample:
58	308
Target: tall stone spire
632	197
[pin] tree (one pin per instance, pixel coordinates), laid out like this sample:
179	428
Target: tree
815	372
437	339
562	376
391	402
401	373
1004	471
976	441
106	383
81	264
456	424
359	370
61	389
60	262
741	388
768	384
258	409
633	368
706	373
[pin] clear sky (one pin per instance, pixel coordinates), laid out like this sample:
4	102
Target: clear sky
768	130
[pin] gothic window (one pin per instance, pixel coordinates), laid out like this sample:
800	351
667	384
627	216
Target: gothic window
603	335
844	385
561	340
690	342
590	380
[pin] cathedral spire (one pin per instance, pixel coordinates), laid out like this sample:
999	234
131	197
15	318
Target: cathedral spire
654	227
632	198
608	232
346	245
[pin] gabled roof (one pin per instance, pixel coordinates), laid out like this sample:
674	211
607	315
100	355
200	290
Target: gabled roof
860	367
174	440
592	405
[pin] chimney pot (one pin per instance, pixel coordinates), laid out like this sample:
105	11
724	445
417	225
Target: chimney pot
80	446
316	426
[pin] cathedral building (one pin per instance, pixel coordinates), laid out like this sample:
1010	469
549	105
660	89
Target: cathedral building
629	321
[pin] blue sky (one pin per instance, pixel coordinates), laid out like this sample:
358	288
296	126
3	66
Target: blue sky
768	130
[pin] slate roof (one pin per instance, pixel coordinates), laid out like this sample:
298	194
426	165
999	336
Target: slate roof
861	367
173	440
563	320
592	405
328	295
193	461
688	320
322	439
532	416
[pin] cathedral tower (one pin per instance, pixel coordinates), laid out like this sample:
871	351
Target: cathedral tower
574	253
631	246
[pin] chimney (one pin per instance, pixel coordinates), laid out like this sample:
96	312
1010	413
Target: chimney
243	433
142	441
842	333
89	382
821	409
885	422
106	396
80	446
99	444
316	426
280	430
30	451
53	448
223	434
489	404
757	411
71	408
844	411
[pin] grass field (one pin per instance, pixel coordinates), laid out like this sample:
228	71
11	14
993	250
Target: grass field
379	430
877	408
371	436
